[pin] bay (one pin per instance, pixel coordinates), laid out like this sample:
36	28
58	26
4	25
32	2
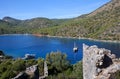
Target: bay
17	45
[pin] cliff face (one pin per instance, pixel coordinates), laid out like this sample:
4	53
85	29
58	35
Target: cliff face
99	63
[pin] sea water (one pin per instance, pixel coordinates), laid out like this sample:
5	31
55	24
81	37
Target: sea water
17	45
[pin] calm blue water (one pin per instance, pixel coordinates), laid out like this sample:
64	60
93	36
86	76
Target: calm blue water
19	45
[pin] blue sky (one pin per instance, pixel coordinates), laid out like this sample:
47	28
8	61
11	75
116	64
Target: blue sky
26	9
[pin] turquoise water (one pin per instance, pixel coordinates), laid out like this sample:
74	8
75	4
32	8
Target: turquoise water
19	45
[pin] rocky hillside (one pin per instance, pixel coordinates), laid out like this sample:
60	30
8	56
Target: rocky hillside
11	20
108	6
12	25
5	27
37	23
103	23
34	22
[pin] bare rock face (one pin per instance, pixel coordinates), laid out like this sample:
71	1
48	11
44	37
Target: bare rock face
31	72
99	63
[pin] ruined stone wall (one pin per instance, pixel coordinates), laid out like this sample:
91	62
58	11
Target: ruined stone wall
99	63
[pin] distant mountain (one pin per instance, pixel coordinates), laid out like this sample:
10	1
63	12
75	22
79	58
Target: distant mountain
103	23
28	25
11	20
38	22
4	24
4	27
60	21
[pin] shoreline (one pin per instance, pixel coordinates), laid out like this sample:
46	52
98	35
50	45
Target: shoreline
40	35
15	34
109	41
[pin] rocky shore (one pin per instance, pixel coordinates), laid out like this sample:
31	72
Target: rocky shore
112	41
39	35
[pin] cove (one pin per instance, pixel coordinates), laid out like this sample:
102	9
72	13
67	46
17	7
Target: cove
17	45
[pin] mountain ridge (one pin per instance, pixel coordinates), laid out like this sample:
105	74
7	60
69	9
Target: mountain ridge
103	23
107	6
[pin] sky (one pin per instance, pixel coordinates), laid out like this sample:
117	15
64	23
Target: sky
27	9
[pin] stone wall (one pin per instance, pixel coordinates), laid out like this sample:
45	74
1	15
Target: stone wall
99	63
31	72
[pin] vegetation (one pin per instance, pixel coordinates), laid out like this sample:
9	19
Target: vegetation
103	23
10	25
117	75
58	67
10	68
57	62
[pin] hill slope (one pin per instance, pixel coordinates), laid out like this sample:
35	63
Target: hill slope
11	20
103	23
12	25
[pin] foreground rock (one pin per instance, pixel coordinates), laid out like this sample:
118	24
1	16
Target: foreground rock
32	72
99	63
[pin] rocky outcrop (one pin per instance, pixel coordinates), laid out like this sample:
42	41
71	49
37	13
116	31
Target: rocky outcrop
99	63
31	72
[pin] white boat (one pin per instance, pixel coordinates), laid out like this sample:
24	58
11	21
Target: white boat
29	56
75	48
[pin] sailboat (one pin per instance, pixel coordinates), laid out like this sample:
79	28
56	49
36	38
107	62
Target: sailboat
75	48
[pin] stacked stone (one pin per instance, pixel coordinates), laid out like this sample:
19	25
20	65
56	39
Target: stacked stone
99	63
